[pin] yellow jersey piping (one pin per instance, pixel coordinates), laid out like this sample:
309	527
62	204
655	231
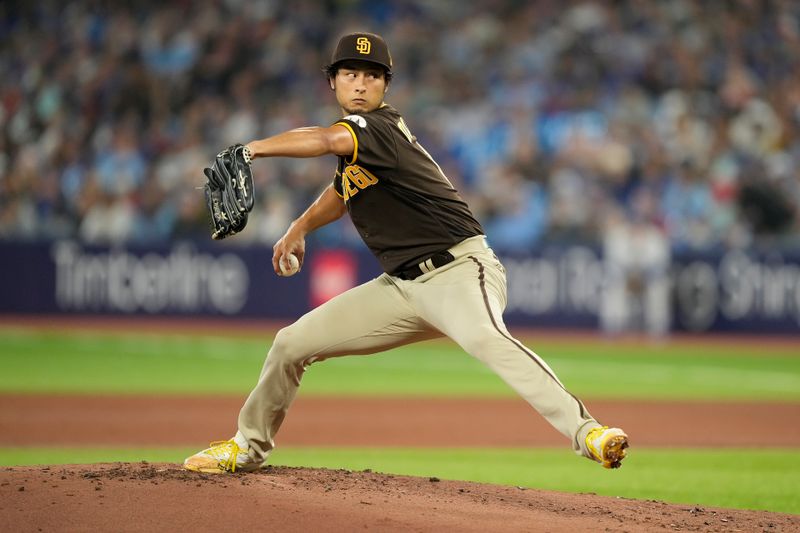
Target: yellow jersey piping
355	141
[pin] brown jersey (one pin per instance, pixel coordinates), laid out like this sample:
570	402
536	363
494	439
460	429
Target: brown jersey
400	201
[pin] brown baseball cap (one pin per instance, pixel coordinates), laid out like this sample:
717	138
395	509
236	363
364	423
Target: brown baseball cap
363	46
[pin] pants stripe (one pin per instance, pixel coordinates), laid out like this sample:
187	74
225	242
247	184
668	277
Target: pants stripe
533	357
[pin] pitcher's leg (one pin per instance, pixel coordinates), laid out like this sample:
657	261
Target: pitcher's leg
370	318
466	304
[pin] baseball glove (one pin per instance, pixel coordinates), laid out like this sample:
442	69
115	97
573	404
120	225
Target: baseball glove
229	191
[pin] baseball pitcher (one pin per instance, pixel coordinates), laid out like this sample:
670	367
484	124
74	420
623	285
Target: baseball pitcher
440	276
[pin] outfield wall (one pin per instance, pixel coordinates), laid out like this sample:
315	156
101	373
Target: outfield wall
561	286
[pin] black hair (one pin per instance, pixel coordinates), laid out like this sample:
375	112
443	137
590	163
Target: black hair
331	70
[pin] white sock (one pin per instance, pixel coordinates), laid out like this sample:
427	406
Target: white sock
240	441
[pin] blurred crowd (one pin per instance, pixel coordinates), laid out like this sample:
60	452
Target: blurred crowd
557	120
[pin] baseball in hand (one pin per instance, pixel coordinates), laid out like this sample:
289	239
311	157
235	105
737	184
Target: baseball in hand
289	265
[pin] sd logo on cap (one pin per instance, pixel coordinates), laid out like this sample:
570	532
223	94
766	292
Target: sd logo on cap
363	47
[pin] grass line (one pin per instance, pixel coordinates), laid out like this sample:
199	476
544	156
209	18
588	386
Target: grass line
40	361
759	479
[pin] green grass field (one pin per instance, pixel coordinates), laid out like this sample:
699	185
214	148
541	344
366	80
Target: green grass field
124	363
87	362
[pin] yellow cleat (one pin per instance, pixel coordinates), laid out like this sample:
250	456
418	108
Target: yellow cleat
220	457
607	446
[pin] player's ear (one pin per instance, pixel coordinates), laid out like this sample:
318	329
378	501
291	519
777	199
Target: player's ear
332	84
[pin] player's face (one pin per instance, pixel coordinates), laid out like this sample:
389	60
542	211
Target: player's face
359	87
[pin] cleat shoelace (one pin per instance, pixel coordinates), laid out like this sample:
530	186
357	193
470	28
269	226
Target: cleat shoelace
227	451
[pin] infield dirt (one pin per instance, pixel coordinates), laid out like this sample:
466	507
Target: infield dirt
70	420
142	497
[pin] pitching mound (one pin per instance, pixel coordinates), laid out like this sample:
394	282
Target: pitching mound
145	497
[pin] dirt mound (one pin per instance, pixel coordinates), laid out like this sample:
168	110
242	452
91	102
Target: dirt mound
148	497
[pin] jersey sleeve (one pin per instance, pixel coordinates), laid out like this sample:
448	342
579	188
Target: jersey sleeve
375	145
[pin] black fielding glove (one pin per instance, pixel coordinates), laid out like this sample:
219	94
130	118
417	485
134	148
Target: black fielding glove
229	191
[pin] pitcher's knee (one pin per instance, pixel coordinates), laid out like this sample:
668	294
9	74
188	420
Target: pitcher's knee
288	347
